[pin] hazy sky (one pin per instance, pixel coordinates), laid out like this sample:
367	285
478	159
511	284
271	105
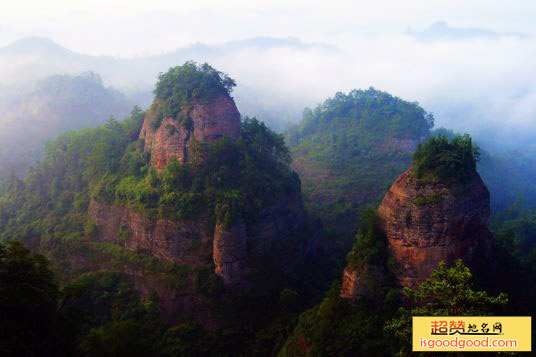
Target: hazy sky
471	84
132	27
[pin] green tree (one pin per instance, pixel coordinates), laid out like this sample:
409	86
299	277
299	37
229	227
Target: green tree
370	244
447	292
120	338
446	161
180	86
31	321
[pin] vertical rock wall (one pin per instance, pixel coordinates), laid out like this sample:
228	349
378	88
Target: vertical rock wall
209	122
428	223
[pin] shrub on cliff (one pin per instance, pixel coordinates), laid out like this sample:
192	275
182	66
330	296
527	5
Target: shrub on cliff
446	161
234	179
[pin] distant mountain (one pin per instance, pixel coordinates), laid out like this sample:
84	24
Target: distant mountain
56	104
440	31
34	58
35	45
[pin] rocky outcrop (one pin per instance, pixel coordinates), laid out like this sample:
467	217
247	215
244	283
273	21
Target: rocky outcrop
184	242
209	122
364	281
427	223
190	242
230	252
273	234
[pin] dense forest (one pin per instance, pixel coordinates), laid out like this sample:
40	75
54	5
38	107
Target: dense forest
228	180
352	141
348	151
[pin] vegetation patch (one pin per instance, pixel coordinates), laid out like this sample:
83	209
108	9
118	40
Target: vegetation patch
180	86
432	199
348	151
370	246
446	161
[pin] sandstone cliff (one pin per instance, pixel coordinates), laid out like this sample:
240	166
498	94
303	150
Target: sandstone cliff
191	242
426	223
209	122
238	252
184	242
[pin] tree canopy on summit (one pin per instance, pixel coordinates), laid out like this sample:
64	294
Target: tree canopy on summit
182	84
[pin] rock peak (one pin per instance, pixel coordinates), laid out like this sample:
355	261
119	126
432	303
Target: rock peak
427	223
172	139
192	105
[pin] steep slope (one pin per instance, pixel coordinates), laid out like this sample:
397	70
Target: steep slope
435	211
429	223
57	104
208	122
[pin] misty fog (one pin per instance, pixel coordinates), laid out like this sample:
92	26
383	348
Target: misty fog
476	76
476	81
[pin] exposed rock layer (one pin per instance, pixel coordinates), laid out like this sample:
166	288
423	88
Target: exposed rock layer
190	242
428	223
184	242
231	250
210	121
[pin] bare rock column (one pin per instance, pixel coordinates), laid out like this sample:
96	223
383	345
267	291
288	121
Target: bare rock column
209	122
427	223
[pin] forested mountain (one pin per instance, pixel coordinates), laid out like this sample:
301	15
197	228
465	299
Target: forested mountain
412	241
56	104
180	230
181	221
349	149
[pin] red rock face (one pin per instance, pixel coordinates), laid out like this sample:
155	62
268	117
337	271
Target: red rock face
184	242
211	121
215	120
419	236
188	242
